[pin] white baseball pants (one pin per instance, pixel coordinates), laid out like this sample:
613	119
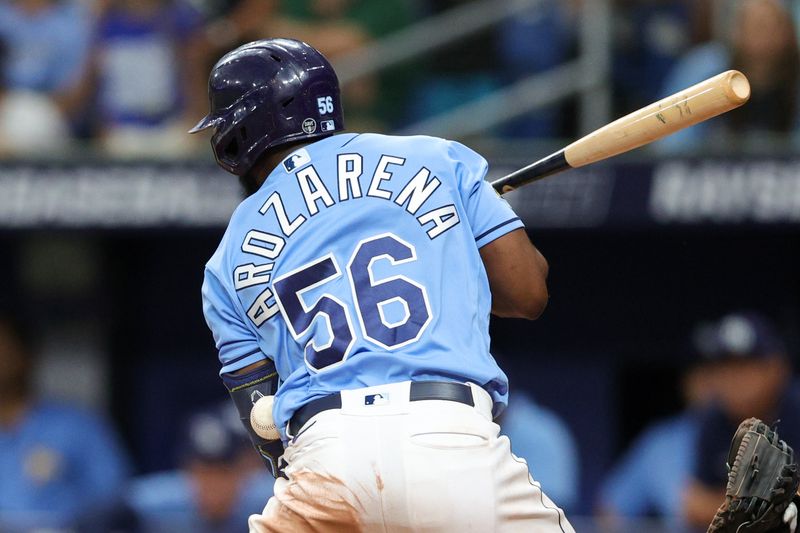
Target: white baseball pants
401	466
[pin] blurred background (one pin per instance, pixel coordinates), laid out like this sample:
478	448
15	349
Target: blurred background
675	296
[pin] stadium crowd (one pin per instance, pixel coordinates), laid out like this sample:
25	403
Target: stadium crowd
126	77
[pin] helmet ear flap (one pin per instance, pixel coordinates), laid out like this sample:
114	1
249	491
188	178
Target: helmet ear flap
239	137
231	150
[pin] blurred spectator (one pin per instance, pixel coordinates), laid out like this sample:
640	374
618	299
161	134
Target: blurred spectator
650	478
650	36
458	73
751	377
31	125
763	45
56	461
148	75
337	27
47	43
221	481
536	40
230	23
540	437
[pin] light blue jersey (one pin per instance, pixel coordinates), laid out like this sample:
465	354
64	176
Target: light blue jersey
356	264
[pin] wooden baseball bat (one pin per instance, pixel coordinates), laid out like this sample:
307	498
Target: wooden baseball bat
700	102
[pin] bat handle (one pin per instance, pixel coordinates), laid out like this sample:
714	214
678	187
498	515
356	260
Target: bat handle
547	166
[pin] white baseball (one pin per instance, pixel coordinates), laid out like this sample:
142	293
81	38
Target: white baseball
261	418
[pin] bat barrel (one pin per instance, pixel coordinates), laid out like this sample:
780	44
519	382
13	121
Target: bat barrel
700	102
737	88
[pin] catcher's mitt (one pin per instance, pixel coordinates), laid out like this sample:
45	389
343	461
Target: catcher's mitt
762	480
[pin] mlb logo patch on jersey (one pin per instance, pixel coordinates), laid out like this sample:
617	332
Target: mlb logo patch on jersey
296	160
376	399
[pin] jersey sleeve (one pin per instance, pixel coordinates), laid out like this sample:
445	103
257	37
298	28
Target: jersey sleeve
236	343
489	216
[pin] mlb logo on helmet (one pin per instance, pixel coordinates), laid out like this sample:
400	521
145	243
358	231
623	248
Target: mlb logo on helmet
326	125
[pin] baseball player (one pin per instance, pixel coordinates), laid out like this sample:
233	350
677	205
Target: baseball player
354	283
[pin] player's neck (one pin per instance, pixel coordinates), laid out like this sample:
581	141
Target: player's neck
270	160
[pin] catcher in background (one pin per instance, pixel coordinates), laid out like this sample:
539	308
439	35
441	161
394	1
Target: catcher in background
751	376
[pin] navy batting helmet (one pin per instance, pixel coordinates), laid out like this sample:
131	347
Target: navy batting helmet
267	93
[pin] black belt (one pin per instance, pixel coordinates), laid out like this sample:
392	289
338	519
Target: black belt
420	390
